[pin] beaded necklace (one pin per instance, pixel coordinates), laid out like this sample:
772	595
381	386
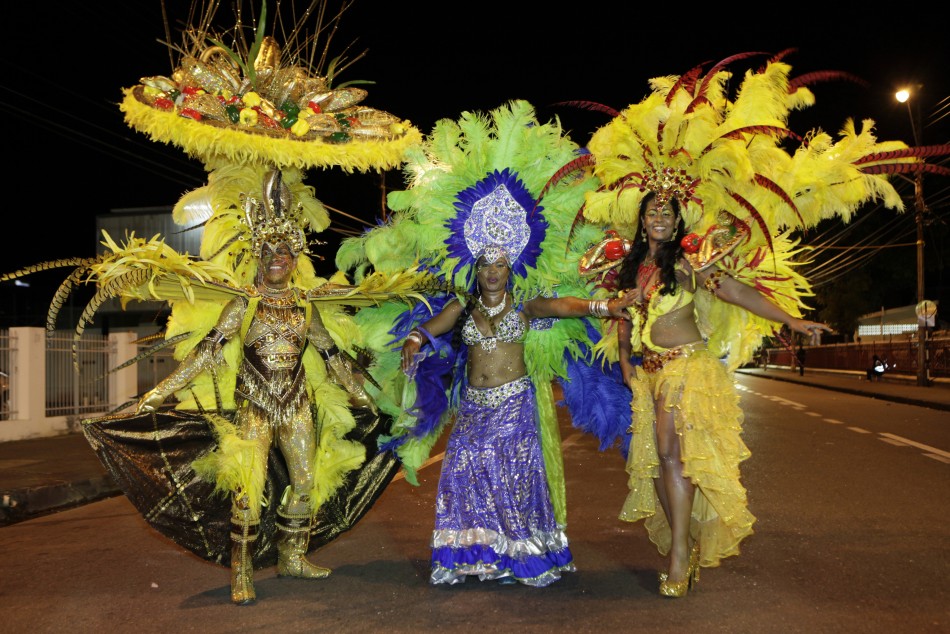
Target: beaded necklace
645	273
492	311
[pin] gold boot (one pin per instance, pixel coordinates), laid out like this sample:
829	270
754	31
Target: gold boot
243	536
293	538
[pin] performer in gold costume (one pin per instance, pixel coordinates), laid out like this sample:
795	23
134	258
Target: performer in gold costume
274	326
271	434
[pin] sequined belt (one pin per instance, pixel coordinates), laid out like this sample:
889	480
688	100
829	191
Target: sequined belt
654	361
495	396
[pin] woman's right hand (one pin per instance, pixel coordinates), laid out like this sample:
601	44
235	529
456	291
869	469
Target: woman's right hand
410	348
149	403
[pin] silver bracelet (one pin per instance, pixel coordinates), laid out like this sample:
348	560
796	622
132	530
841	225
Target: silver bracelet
598	308
415	336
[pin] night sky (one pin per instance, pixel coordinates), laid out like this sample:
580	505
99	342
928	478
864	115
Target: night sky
71	156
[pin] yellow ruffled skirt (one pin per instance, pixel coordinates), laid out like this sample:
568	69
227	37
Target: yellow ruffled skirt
699	390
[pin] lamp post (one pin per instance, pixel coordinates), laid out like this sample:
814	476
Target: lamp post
920	207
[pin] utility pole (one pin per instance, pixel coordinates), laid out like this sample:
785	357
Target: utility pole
920	208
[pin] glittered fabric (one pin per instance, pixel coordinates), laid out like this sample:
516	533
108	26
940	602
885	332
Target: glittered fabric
151	458
497	220
493	212
494	516
708	420
511	329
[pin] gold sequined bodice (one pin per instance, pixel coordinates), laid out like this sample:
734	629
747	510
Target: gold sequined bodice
273	348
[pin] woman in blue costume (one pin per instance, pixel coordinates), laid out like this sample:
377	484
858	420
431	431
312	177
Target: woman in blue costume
487	211
494	516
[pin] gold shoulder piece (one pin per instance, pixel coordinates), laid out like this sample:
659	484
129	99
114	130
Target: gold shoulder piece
604	255
720	239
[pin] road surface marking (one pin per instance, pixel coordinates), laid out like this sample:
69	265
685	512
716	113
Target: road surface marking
833	421
859	430
908	441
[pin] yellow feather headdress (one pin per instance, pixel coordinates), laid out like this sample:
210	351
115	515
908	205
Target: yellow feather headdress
741	193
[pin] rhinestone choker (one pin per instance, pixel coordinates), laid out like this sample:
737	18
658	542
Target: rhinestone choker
493	311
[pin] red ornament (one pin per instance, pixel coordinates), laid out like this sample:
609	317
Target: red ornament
164	104
616	249
190	113
691	242
265	121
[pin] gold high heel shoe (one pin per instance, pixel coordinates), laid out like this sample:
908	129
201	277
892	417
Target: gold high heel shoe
679	588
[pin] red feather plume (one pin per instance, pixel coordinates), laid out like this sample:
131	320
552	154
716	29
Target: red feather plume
773	130
773	187
823	75
589	105
924	151
581	162
701	93
686	81
756	216
906	168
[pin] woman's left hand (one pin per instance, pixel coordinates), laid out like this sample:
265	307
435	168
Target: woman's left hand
806	327
617	306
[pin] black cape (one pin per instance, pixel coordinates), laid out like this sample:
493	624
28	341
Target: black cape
150	456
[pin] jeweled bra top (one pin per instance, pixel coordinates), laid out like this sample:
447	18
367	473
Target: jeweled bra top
511	329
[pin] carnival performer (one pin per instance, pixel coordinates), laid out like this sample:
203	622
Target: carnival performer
273	325
268	348
696	186
494	517
486	210
687	421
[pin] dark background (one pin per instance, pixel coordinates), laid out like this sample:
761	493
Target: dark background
69	155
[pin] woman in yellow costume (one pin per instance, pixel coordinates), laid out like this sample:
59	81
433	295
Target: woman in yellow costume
703	199
687	421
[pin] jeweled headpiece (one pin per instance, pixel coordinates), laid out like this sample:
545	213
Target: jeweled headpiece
274	219
497	222
493	217
667	183
493	254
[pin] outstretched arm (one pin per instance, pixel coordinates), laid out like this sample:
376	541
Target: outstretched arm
731	290
438	325
198	359
577	307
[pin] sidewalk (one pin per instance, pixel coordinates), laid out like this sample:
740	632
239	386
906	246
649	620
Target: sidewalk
44	475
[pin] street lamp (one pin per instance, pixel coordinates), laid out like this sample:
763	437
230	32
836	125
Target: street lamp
920	207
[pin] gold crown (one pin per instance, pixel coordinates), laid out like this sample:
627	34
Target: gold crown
276	218
667	183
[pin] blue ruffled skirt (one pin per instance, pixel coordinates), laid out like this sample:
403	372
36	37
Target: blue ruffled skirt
493	508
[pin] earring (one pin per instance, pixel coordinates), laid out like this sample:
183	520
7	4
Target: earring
643	232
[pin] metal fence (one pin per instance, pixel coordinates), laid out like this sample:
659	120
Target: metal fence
72	393
900	356
7	359
69	393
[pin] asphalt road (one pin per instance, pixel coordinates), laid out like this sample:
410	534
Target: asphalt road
850	494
